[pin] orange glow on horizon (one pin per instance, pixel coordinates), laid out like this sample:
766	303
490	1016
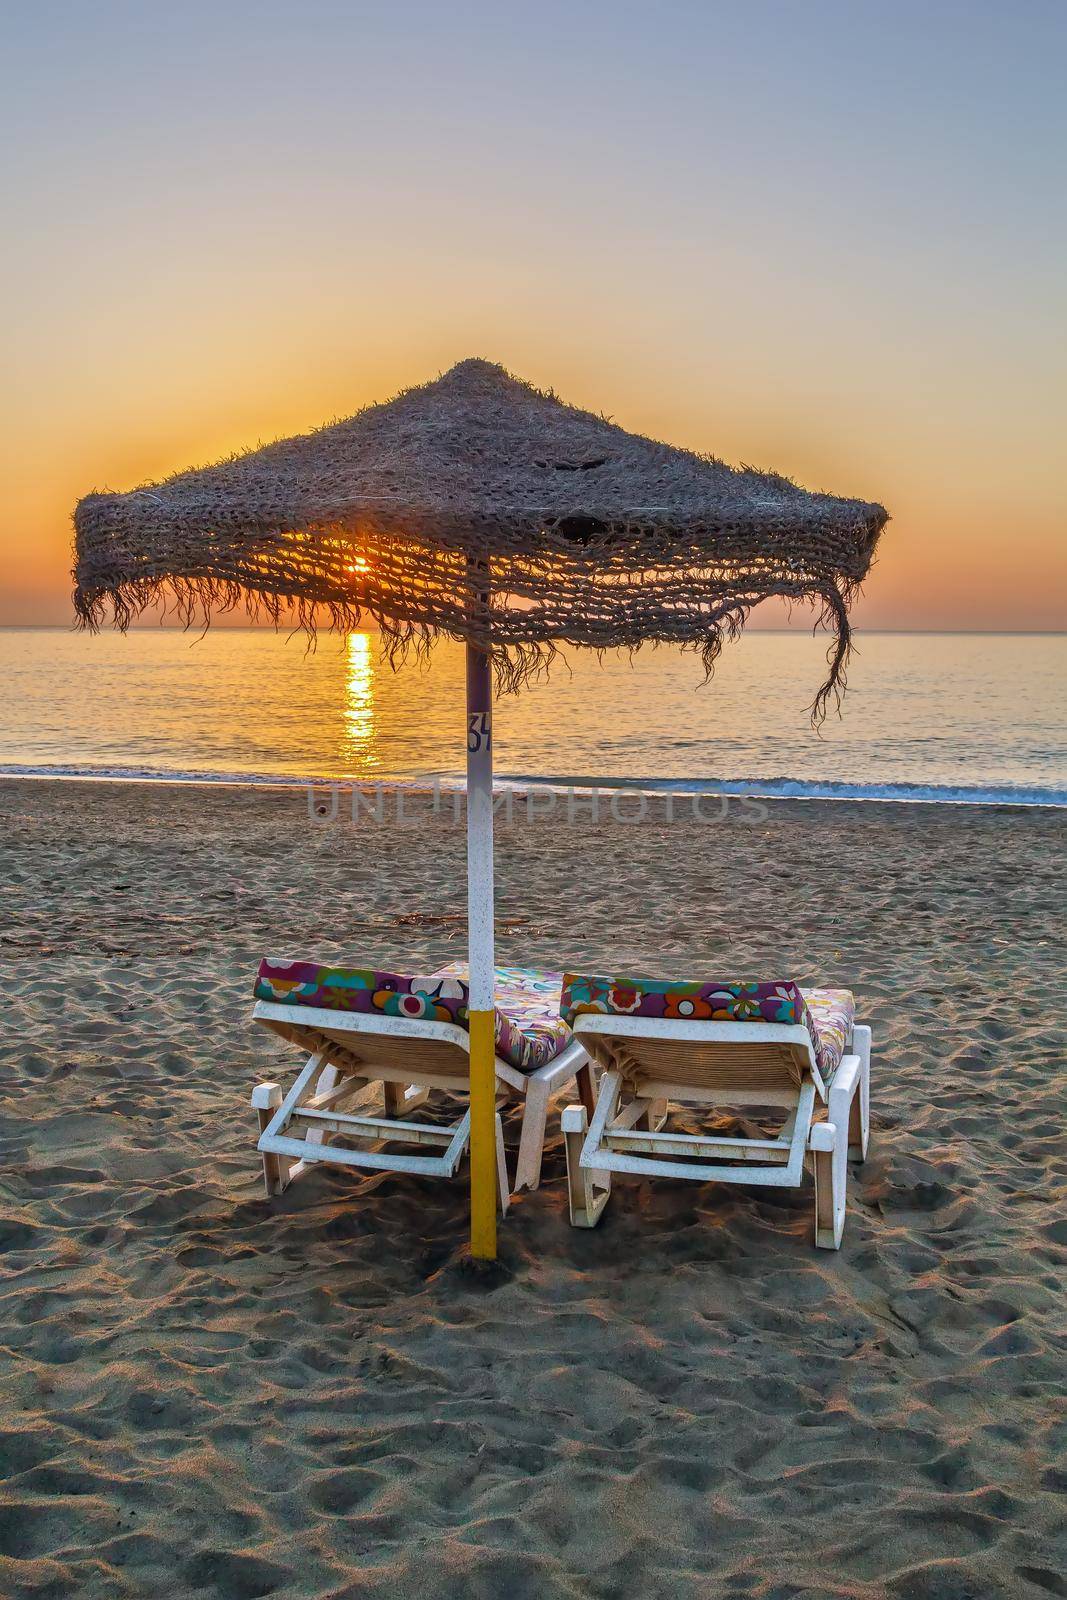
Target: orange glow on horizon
962	525
960	529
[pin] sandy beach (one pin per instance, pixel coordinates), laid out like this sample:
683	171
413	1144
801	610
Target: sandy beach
206	1394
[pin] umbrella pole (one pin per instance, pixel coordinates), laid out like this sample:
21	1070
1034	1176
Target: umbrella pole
480	951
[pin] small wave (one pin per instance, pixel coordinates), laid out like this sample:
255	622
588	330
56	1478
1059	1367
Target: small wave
782	788
779	788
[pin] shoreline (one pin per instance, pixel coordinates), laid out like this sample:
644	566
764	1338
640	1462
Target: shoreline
765	791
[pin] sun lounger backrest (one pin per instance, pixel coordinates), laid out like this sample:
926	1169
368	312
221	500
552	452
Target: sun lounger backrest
376	1044
721	1035
690	1054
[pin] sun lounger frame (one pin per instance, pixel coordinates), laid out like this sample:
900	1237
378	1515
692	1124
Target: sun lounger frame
409	1057
650	1061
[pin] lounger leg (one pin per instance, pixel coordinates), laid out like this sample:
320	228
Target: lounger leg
403	1098
326	1080
859	1122
586	1086
266	1098
587	1191
653	1117
846	1109
532	1138
830	1147
503	1190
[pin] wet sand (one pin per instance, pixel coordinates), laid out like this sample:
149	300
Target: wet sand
206	1394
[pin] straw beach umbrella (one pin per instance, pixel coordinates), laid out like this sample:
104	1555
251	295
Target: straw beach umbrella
482	509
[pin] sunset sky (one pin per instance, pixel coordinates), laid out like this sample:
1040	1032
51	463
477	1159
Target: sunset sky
827	238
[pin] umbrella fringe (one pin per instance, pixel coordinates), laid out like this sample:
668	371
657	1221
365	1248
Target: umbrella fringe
194	601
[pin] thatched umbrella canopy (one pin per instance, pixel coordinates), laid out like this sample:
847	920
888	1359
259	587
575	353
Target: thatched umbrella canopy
480	508
585	534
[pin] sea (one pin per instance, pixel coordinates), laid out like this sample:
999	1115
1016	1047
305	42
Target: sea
951	718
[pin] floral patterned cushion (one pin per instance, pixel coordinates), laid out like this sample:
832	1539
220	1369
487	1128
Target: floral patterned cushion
827	1014
529	1029
831	1013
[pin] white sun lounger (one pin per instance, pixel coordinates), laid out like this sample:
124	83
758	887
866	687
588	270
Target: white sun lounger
818	1060
408	1056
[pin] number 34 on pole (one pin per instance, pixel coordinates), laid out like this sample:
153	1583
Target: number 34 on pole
479	732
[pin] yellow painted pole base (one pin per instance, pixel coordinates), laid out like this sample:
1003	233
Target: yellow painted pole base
483	1135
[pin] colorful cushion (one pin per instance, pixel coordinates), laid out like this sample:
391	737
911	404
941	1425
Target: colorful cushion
529	1029
831	1013
827	1014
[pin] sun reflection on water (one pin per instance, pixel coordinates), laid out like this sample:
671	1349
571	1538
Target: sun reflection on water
357	744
